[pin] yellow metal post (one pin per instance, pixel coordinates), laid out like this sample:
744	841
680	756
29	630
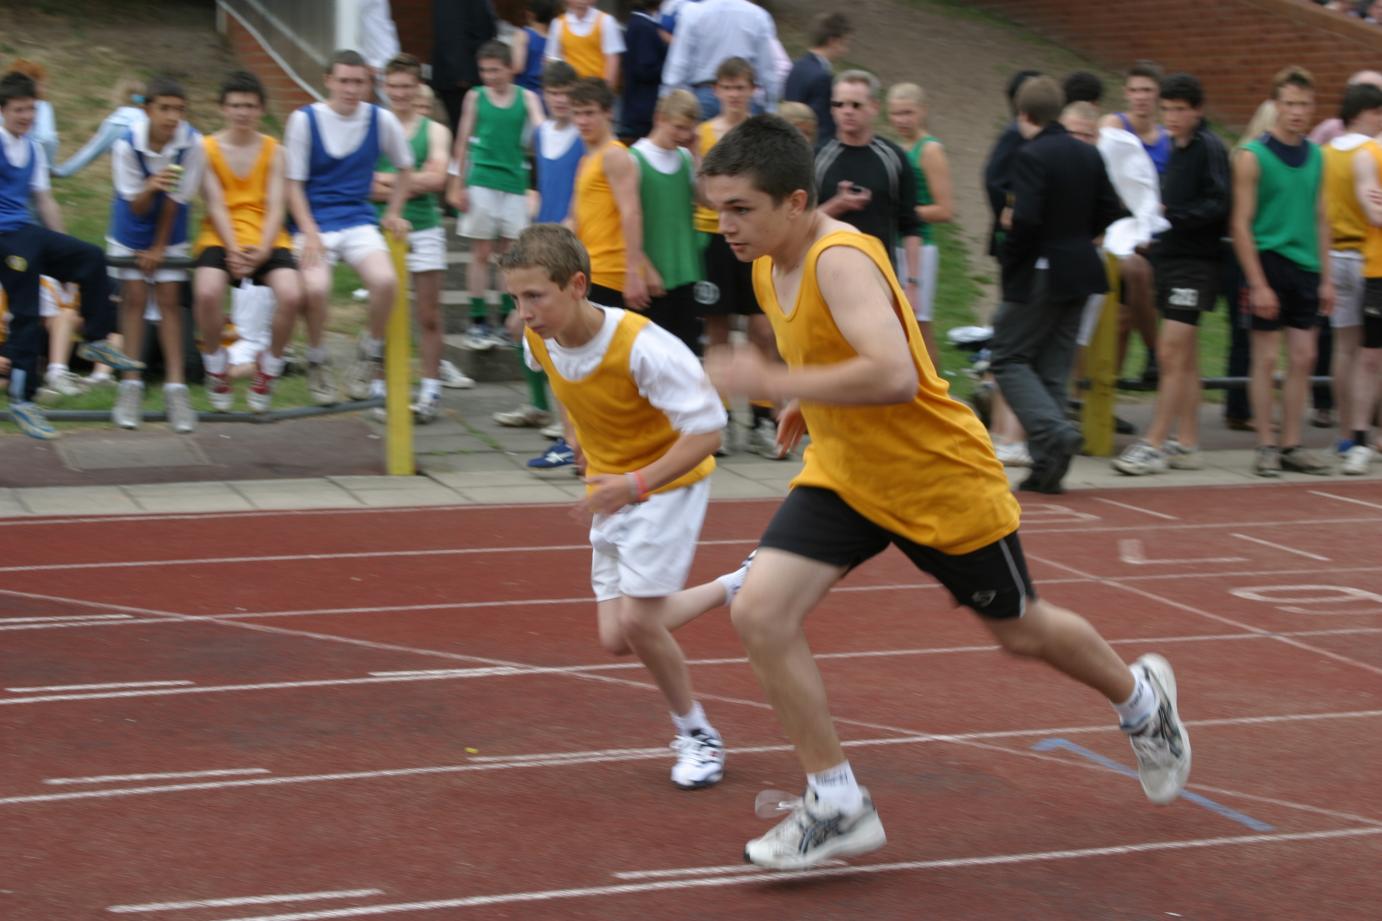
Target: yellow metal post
1100	360
397	371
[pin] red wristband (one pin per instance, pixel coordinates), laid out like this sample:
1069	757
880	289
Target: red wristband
642	485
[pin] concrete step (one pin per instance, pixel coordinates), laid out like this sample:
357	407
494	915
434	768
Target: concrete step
499	364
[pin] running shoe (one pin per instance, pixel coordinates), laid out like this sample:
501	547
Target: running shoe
1357	460
1013	454
1267	461
128	410
453	378
100	378
64	383
554	431
103	353
177	400
500	339
31	420
426	409
809	836
1303	460
261	392
362	375
558	457
321	384
763	441
1179	457
1139	459
524	417
478	338
1161	743
218	392
700	759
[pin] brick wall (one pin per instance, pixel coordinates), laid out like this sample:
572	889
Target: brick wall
284	93
1233	46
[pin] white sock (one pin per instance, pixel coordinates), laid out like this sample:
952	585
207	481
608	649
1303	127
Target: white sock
429	389
731	582
316	354
1140	707
215	362
376	389
836	789
55	368
692	719
273	364
171	385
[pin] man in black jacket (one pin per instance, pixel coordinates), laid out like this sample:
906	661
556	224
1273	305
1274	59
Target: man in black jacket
998	166
459	28
1187	262
1061	200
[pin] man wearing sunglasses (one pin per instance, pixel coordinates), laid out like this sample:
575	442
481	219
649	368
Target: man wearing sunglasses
864	179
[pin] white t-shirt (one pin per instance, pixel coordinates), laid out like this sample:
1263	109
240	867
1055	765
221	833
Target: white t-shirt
663	160
341	134
130	179
554	141
611	33
667	374
17	152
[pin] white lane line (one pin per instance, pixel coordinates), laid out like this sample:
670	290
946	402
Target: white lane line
478	764
1282	547
319	557
178	775
726	870
666	885
443	674
1351	501
1191	609
1135	508
58	618
246	900
111	686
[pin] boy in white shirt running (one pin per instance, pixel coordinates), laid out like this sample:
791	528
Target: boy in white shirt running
647	422
332	149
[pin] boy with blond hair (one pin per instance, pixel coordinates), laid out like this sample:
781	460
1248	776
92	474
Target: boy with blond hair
642	413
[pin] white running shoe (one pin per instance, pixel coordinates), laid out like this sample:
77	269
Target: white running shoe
361	377
1179	457
807	837
1139	459
700	759
763	441
453	378
321	384
1013	454
1161	744
177	401
1356	461
529	417
426	409
64	382
554	431
128	411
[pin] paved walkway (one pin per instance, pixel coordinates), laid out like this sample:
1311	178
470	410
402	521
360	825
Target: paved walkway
463	458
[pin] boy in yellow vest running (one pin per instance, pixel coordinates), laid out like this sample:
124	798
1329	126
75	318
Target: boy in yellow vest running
893	460
242	237
641	412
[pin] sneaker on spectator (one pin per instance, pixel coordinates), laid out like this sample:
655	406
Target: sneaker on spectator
261	392
1139	459
177	402
1267	461
1303	460
763	441
426	409
500	339
1179	457
1322	418
558	457
218	392
100	378
478	338
104	353
321	383
362	375
554	431
31	420
128	410
1356	461
524	417
1013	454
63	382
453	378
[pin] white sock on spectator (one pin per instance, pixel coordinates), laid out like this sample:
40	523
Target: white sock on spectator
316	354
430	388
215	362
273	364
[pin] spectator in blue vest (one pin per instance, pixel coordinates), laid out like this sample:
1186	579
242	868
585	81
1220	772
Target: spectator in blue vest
529	47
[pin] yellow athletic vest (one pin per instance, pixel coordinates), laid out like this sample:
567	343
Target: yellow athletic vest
247	199
617	429
924	469
1348	224
583	52
707	221
597	220
1372	241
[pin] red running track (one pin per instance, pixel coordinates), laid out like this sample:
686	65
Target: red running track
405	714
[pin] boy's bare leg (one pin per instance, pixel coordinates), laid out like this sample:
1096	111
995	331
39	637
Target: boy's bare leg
134	297
170	332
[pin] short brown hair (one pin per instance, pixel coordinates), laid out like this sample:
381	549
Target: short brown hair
1041	100
592	91
827	26
550	247
1292	75
346	58
494	50
404	64
558	75
734	69
679	104
1147	69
